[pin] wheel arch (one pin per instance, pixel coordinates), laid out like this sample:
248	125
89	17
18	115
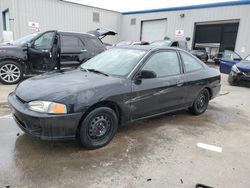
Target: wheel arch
19	61
110	104
210	92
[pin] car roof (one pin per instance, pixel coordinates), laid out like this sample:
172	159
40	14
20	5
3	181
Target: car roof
148	47
76	33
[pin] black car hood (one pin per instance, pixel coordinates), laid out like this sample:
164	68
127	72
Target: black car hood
59	86
9	47
12	51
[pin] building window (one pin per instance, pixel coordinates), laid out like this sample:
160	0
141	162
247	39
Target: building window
6	19
96	17
133	21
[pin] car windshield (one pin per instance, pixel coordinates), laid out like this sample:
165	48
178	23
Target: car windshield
161	43
116	61
24	40
247	58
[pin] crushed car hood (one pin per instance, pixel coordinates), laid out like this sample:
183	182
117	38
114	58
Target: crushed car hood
244	65
64	85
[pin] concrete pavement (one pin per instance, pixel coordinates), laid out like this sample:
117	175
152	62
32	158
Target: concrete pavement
158	152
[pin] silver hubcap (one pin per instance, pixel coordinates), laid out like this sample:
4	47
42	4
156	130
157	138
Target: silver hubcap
10	73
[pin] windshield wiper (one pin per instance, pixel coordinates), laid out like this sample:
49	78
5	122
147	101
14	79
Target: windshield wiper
83	69
97	71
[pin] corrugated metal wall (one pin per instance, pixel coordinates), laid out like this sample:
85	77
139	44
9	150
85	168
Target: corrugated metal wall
60	15
175	22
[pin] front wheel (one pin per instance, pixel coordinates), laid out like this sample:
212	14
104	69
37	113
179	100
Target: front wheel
200	103
98	128
10	72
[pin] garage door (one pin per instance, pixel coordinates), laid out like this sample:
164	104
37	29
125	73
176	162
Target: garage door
223	34
153	30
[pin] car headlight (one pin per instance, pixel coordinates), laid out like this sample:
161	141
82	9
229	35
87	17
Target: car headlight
47	107
235	69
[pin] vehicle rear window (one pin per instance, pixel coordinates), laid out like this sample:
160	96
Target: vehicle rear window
94	42
191	64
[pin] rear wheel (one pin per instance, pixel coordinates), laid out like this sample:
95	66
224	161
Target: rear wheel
10	72
201	102
98	127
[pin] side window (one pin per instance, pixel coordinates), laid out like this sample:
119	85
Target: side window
70	42
45	41
191	64
247	58
228	54
163	64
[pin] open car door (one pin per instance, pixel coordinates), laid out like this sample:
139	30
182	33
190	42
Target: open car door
229	58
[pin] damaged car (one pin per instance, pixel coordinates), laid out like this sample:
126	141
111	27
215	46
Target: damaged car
238	69
39	53
116	87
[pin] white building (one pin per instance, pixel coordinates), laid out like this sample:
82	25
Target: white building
220	25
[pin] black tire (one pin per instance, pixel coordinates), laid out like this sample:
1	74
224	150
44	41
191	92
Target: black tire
232	81
98	128
200	103
11	72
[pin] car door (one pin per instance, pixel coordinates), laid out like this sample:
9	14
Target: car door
160	94
73	50
43	52
229	58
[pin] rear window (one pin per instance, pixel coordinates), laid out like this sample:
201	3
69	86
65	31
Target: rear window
94	42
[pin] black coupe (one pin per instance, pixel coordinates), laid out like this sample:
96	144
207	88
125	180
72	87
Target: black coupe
114	88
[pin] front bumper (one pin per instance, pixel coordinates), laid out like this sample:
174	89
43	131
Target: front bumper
44	126
239	77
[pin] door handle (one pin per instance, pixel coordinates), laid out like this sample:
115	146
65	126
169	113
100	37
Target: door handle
83	50
180	83
45	51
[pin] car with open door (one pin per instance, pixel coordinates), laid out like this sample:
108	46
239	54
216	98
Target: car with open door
237	68
116	87
39	53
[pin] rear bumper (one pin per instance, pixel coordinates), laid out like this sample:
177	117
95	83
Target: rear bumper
44	126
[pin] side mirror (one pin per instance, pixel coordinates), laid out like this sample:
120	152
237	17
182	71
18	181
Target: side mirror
146	74
237	59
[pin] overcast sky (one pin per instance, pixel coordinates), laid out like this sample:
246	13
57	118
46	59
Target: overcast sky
131	5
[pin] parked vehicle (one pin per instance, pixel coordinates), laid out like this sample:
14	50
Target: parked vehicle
171	43
238	69
201	53
121	85
39	53
217	58
125	43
